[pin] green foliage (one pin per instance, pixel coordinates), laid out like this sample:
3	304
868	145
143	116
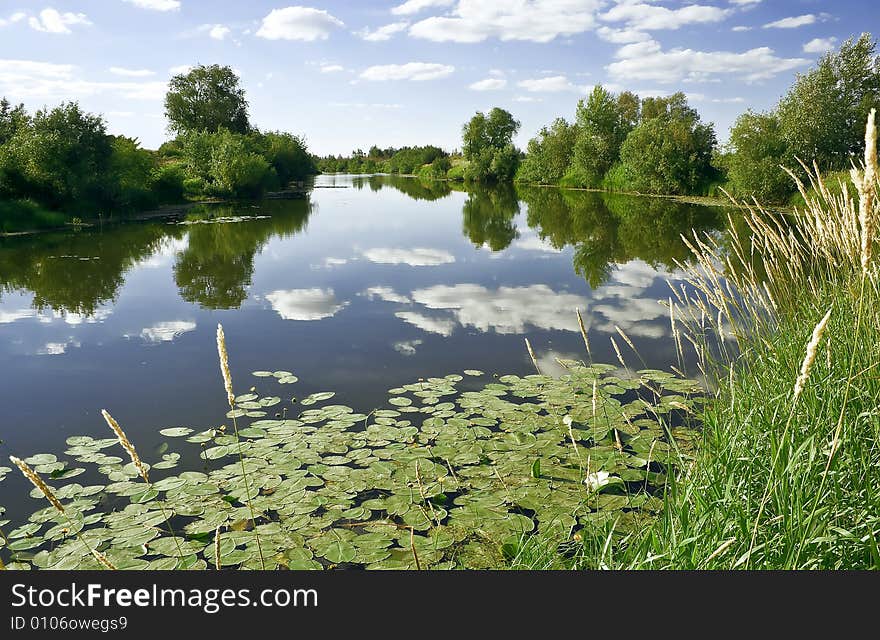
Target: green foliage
757	152
27	215
129	175
549	154
670	152
487	144
603	123
206	98
288	155
822	117
166	182
226	163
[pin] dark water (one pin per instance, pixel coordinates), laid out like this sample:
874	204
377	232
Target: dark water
357	289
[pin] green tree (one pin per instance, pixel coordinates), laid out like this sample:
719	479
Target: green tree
487	144
757	151
603	123
822	117
206	98
12	120
548	155
670	151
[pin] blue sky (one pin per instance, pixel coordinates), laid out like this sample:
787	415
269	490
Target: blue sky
351	74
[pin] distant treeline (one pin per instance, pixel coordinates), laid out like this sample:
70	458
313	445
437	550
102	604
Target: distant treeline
660	145
58	164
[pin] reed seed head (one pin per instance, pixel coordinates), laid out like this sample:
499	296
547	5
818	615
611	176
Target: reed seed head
37	481
224	365
810	357
127	445
532	356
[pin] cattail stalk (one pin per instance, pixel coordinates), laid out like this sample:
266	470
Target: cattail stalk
127	445
810	357
230	396
37	481
532	356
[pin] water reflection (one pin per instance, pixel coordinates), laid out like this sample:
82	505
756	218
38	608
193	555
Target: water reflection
608	229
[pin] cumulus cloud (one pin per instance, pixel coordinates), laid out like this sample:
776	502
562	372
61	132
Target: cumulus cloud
792	22
167	331
820	45
532	242
387	294
506	309
382	33
57	348
131	73
50	81
621	36
298	23
416	71
550	84
534	21
418	257
215	31
440	326
407	347
489	84
14	315
156	5
18	16
415	6
53	21
647	17
332	68
648	61
305	304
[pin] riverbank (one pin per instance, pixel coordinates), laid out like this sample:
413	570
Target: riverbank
787	472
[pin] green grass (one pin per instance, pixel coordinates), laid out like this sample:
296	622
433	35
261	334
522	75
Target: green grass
26	215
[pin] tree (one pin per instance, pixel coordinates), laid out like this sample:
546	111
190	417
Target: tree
822	117
548	155
487	144
670	151
603	122
207	98
12	120
60	158
757	151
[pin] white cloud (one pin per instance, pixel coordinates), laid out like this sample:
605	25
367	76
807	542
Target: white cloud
792	22
387	294
18	16
621	36
820	45
298	23
167	331
648	61
332	68
8	317
506	309
131	73
415	6
57	348
531	20
417	71
745	3
418	257
181	68
382	33
156	5
53	21
534	243
741	28
49	81
215	31
440	326
645	17
407	347
549	84
527	99
305	304
489	84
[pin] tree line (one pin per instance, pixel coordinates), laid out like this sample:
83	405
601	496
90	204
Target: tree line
60	163
660	144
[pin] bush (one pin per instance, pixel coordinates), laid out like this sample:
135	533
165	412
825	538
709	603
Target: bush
167	182
457	172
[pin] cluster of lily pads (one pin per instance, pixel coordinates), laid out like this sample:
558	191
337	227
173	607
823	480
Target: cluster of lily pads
440	478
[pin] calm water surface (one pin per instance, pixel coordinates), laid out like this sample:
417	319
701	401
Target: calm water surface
370	283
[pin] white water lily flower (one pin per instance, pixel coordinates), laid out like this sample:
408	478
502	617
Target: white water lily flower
596	481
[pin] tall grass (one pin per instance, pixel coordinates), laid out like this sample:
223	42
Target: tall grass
783	314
